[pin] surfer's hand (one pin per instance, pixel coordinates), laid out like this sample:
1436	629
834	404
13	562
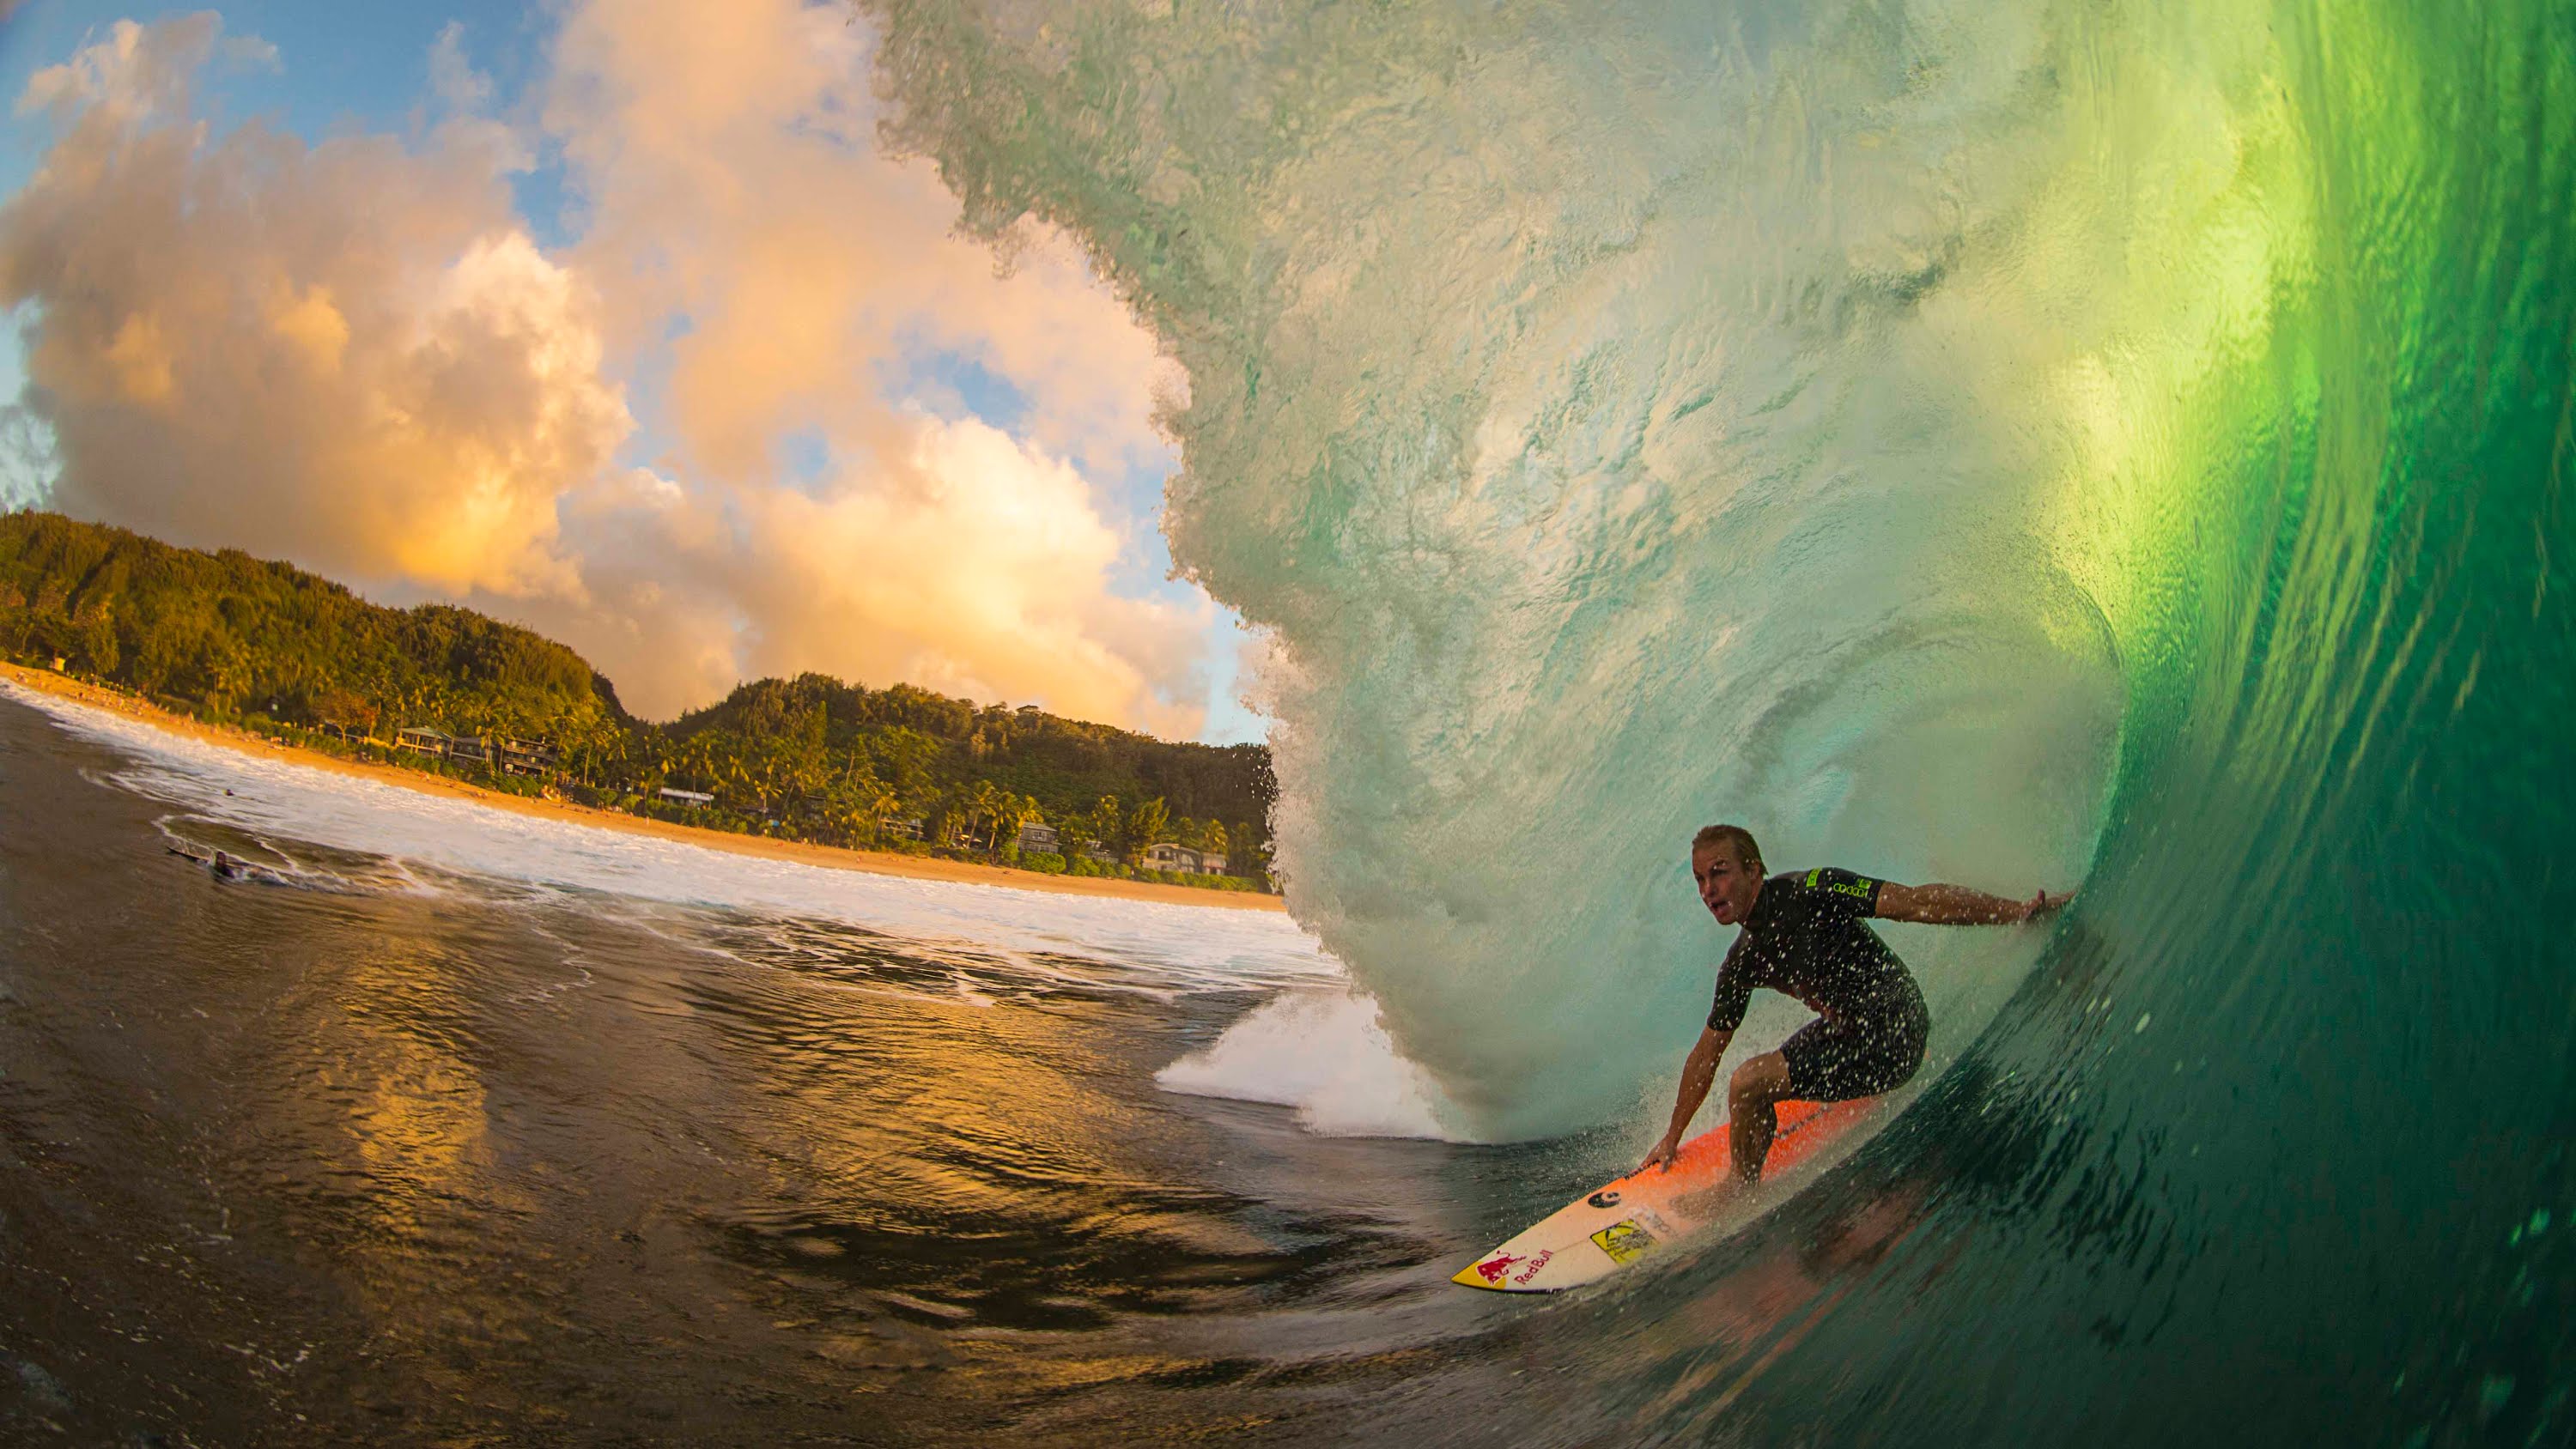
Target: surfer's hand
1662	1156
2044	904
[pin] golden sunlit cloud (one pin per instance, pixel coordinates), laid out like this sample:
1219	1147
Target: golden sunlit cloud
355	355
1025	616
349	353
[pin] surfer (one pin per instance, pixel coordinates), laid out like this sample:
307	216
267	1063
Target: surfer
224	866
1803	936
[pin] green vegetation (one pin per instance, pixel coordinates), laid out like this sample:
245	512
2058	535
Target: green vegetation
242	640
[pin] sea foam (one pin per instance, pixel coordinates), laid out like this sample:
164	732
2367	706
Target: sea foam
1193	946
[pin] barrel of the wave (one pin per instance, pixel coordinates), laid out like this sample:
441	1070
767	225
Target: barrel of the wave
2274	1146
2276	1143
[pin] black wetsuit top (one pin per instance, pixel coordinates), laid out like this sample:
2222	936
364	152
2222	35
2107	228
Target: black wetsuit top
1805	938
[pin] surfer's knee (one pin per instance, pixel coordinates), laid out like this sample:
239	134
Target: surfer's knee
1759	1081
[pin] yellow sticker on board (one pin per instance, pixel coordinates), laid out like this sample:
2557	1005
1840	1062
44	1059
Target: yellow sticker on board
1623	1240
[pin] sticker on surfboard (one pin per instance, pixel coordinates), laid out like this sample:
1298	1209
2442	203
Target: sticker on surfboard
1611	1227
1623	1240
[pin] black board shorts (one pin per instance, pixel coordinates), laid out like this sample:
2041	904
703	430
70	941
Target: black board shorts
1862	1054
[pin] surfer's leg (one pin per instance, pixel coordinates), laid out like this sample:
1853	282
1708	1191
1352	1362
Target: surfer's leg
1751	1095
1857	1056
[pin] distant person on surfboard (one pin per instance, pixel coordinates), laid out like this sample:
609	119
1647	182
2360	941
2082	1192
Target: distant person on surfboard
224	866
1803	936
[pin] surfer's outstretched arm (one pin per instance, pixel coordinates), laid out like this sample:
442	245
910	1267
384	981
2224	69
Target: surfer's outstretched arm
1699	1070
1950	905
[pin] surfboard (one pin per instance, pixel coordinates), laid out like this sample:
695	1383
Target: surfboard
1646	1212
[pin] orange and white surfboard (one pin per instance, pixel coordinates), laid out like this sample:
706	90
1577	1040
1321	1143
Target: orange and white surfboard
1607	1229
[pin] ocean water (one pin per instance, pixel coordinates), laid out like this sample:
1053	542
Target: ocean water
447	1125
450	1126
2014	443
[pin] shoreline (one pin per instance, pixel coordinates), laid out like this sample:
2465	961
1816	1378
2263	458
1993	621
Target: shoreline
831	857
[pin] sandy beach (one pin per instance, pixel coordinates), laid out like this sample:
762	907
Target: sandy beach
877	862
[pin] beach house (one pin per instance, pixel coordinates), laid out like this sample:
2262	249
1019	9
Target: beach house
524	757
424	739
1165	855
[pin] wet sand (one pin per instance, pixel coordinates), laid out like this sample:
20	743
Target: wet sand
834	857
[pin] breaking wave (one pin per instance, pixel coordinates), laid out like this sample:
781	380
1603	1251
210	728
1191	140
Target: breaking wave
2006	443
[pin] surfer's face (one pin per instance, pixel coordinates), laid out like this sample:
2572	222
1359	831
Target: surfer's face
1726	885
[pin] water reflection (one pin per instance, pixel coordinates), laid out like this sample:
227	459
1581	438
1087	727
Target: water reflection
459	1160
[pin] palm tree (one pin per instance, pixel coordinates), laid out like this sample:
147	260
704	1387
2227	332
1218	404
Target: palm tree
1010	812
984	801
1145	826
882	802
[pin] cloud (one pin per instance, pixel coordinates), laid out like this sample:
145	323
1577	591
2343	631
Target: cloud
349	353
732	172
139	69
354	354
452	77
974	560
122	78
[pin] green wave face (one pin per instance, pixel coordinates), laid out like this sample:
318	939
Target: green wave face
1996	442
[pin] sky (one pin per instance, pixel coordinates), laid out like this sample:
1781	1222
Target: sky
608	317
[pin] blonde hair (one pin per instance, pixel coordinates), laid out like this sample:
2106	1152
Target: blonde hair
1746	852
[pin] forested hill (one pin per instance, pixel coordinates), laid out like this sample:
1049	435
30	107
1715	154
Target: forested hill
903	735
228	634
233	637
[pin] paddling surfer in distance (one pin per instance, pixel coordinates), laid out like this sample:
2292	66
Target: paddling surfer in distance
1803	936
224	866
